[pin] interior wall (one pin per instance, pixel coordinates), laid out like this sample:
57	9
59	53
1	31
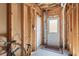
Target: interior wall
3	24
16	24
68	31
3	18
33	19
78	29
29	24
34	10
26	26
20	30
72	28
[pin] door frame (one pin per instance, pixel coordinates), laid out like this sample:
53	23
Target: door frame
57	30
36	29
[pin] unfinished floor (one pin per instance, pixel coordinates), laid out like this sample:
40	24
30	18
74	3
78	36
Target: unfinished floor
48	52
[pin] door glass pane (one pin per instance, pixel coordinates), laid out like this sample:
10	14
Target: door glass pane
53	25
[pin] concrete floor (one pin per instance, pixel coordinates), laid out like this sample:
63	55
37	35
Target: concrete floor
48	52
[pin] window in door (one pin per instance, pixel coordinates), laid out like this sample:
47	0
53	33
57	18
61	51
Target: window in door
53	23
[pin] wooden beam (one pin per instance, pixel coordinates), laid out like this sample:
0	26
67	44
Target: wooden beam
9	29
22	27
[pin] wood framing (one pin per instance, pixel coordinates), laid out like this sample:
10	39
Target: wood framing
22	27
22	20
72	33
52	12
9	29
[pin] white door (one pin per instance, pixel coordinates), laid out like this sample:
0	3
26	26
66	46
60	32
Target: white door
38	31
53	32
